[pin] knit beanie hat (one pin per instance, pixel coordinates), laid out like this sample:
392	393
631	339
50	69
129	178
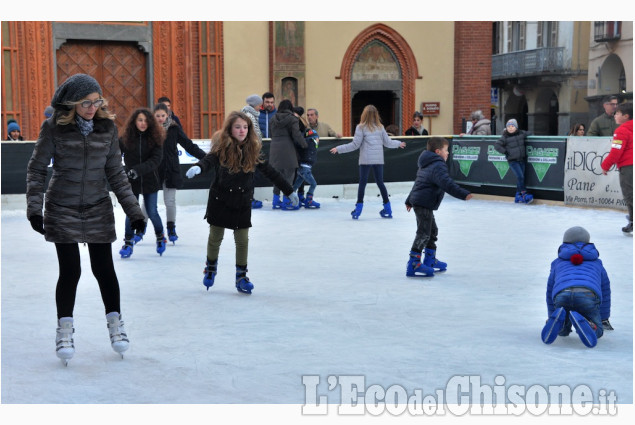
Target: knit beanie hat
13	126
75	88
576	234
512	122
254	100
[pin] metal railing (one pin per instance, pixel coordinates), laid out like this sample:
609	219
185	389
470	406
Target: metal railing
524	63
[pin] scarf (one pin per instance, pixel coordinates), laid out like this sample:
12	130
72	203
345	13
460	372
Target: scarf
85	127
168	122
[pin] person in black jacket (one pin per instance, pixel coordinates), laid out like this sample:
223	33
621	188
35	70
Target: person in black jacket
142	150
81	139
170	168
234	157
417	126
512	144
307	157
433	180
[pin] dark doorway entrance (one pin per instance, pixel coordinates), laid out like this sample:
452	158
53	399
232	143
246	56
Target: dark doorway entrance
384	101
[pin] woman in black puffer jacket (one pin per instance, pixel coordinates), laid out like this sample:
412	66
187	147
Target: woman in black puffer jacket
81	139
142	147
170	168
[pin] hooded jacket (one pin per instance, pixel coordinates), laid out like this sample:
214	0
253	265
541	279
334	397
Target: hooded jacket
432	181
285	136
590	274
78	207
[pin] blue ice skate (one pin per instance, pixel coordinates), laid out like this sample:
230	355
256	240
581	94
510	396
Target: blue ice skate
210	273
357	211
431	260
243	285
415	268
126	250
387	211
584	328
161	242
553	326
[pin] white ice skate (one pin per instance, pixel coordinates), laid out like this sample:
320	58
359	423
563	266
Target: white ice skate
64	345
118	338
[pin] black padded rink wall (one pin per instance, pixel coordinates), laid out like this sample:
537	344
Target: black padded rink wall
472	163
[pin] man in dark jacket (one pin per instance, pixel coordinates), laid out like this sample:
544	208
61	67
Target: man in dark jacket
433	180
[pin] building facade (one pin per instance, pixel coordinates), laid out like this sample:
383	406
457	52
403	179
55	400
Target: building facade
209	68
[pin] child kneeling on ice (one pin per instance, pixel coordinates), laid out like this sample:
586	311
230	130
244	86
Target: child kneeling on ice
234	157
433	180
578	291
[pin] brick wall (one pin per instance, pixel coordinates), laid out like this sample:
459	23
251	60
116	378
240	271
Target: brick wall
472	70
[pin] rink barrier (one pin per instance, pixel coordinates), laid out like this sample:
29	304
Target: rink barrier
472	163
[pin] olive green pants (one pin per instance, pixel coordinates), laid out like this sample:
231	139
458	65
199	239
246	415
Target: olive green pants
241	238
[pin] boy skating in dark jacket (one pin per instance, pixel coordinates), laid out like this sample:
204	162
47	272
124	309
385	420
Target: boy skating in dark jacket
578	291
432	181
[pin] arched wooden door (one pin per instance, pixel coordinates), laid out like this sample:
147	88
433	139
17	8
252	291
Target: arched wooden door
119	67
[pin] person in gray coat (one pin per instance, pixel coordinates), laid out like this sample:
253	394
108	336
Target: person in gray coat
285	136
81	139
370	138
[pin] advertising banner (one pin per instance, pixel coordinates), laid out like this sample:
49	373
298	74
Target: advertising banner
584	183
474	160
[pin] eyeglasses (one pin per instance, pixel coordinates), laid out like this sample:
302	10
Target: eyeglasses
88	103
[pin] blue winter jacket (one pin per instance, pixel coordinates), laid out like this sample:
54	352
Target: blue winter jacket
589	274
263	121
433	180
308	155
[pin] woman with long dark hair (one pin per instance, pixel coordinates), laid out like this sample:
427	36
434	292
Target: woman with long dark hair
142	147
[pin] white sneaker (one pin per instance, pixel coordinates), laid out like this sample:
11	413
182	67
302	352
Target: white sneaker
118	338
64	345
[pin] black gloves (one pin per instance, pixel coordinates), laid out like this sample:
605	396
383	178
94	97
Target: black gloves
132	174
607	325
138	226
37	222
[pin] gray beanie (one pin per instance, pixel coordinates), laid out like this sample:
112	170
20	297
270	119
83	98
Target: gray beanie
254	100
76	87
576	234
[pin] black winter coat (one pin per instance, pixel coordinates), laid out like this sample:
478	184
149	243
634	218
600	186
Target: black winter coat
145	160
512	145
170	168
413	132
432	181
230	195
78	207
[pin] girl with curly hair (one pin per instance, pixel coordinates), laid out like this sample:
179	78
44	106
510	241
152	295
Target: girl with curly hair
234	157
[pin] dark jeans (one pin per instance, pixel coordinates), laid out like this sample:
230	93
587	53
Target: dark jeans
150	202
518	167
378	172
582	300
427	230
70	270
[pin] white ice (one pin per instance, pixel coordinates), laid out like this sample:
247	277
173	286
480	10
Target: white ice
331	299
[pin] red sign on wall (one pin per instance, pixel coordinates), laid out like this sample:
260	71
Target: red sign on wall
430	109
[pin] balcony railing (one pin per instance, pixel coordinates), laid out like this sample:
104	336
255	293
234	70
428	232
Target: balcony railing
525	63
607	31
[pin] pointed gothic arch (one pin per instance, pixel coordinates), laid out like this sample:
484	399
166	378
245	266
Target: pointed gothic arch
405	58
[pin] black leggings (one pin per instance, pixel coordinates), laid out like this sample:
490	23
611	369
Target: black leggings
70	270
